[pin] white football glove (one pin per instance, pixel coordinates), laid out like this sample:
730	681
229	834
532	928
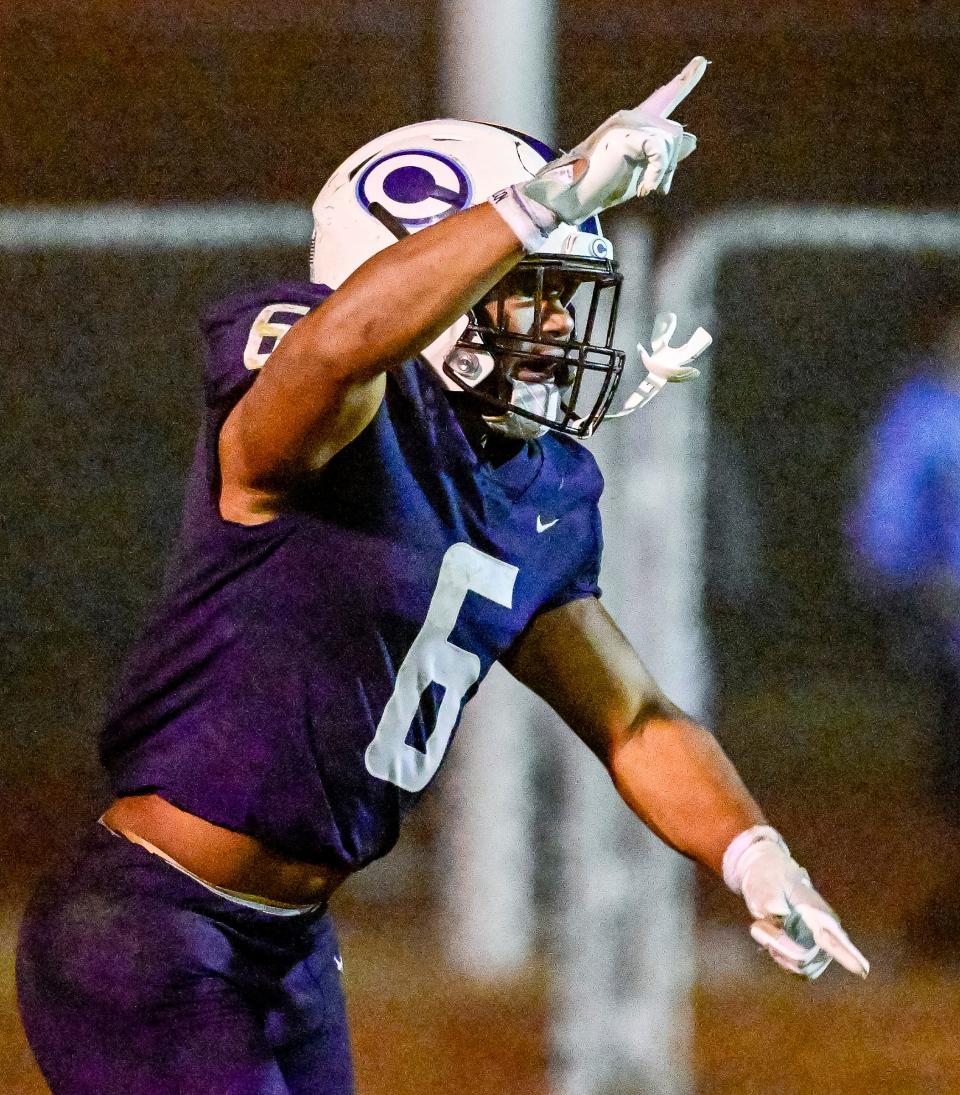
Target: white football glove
791	920
634	152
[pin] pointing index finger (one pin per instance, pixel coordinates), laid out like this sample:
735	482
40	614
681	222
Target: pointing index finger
666	99
838	945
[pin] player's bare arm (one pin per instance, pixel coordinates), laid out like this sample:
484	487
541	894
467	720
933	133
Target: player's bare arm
324	382
676	778
670	771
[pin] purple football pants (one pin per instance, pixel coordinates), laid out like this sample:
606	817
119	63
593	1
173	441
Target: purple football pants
132	977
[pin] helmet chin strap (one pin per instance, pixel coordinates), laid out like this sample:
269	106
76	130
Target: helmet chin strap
665	364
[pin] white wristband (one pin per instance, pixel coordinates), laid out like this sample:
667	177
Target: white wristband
733	856
531	222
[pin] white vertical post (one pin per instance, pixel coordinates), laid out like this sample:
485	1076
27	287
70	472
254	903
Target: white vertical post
497	63
497	66
490	857
622	1011
621	986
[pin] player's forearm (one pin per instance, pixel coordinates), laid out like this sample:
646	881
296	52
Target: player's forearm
323	382
673	774
403	297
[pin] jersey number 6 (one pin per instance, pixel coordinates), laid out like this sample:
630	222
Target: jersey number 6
433	659
271	324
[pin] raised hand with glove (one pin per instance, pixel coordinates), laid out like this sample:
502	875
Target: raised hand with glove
632	154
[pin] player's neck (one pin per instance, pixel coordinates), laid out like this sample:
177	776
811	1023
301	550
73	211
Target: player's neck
489	445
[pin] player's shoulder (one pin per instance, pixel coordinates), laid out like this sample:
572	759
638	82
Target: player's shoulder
243	329
239	305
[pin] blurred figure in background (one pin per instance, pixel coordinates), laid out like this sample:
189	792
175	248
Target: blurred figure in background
906	536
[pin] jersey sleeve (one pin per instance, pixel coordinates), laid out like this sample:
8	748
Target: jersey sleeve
585	582
241	333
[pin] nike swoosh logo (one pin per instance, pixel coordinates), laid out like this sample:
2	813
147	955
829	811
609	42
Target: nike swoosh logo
542	525
338	961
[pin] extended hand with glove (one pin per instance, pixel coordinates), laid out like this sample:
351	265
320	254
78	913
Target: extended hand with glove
792	922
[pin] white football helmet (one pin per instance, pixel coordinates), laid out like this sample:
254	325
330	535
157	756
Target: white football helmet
413	177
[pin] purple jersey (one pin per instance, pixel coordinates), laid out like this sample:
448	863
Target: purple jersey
300	680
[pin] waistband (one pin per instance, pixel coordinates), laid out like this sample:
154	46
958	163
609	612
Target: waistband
247	901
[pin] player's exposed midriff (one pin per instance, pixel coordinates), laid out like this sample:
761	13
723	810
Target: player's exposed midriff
221	857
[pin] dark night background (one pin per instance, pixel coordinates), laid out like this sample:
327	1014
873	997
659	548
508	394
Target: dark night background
826	103
817	101
850	105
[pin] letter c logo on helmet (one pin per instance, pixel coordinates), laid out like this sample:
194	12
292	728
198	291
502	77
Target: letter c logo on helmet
416	186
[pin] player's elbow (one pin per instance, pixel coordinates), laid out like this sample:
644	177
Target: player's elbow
627	741
652	707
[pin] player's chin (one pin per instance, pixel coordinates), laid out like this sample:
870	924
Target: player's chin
516	426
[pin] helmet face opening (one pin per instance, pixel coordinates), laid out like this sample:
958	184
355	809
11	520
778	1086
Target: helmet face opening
580	362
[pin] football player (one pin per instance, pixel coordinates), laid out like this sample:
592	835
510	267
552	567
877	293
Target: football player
388	496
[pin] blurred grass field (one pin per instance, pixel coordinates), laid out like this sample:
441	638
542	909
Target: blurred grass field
419	1027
